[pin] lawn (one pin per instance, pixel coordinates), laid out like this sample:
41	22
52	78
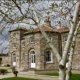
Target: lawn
17	78
6	68
73	77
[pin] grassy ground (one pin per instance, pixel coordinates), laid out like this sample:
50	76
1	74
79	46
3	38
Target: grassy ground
17	78
8	68
74	76
4	67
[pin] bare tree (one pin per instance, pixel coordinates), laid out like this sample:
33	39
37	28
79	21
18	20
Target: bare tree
34	15
70	58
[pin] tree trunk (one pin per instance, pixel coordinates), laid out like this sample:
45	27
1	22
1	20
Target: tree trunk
61	60
61	74
69	68
70	35
39	24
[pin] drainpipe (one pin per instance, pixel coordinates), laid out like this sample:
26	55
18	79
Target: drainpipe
60	43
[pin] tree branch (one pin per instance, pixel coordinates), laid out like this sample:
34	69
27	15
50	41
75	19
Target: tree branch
70	36
19	8
6	15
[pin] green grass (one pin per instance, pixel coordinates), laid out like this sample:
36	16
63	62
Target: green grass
7	68
4	67
73	77
17	78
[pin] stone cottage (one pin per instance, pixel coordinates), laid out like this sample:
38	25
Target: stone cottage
28	49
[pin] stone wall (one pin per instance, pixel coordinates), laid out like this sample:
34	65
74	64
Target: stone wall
21	45
5	60
32	43
16	45
44	46
76	56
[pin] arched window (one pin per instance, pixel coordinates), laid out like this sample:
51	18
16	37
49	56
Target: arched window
48	56
32	56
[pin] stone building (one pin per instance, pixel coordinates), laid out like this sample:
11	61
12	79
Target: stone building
28	49
4	59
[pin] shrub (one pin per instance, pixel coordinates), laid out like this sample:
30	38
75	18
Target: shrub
15	72
8	65
3	71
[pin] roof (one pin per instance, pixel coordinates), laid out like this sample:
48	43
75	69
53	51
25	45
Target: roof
62	30
24	29
47	28
2	54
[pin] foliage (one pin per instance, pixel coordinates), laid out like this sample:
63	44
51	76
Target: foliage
7	68
18	78
3	71
15	72
8	65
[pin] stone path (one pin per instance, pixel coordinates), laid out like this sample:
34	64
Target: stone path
28	75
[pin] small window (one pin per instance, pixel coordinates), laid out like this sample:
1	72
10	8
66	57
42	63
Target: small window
14	57
48	57
0	61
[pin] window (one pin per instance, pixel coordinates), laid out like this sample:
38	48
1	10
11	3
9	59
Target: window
14	57
32	56
0	61
48	57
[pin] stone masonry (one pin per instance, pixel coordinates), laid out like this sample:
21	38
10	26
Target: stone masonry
29	47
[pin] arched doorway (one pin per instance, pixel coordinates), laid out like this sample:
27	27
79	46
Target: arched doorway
32	59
